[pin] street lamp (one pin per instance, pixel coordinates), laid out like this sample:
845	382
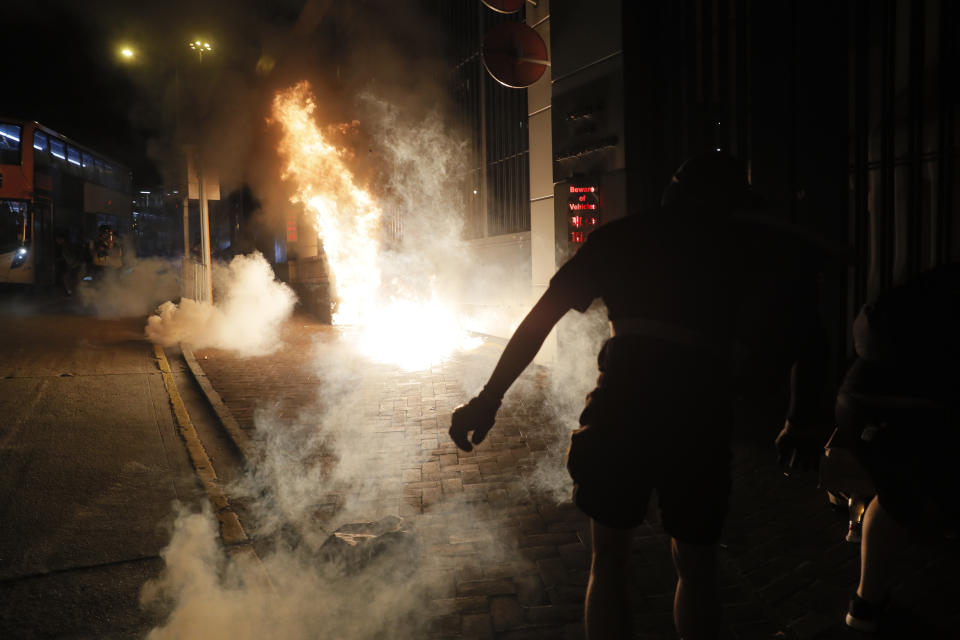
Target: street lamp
201	47
128	55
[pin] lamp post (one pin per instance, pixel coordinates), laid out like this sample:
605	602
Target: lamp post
194	156
201	47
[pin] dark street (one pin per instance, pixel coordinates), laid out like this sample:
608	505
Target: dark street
504	319
93	466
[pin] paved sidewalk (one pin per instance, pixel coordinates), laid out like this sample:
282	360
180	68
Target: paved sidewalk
506	560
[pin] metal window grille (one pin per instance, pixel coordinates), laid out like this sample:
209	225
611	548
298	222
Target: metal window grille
494	119
904	173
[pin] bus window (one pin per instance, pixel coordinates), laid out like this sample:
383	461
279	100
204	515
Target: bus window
58	148
10	143
40	145
106	177
89	166
101	167
73	156
40	141
13	225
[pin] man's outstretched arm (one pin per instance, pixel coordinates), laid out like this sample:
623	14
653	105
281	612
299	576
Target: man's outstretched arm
477	416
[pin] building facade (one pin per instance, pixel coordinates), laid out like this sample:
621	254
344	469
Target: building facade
845	113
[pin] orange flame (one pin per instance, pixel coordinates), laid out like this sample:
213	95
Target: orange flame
347	217
410	333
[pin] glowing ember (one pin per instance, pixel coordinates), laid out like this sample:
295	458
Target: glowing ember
411	333
414	334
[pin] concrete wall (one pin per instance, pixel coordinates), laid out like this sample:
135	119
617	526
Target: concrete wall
542	225
496	295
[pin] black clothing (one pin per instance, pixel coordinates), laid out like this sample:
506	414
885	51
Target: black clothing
722	303
903	390
746	288
911	336
640	432
908	445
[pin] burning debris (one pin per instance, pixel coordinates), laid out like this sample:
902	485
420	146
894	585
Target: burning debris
353	547
346	216
405	325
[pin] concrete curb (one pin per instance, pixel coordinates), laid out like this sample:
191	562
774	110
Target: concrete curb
231	531
236	542
242	440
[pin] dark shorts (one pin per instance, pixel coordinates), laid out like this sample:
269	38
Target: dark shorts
649	428
910	451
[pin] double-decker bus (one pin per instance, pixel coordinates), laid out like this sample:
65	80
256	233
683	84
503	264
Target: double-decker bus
50	186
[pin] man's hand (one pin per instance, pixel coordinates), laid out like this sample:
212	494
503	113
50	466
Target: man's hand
477	416
799	449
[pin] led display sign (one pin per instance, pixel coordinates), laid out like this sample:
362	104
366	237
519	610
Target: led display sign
583	212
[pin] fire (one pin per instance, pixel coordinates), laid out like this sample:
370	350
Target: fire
409	332
346	216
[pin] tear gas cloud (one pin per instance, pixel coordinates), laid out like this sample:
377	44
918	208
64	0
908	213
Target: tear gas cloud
291	595
248	311
133	290
367	448
363	450
347	458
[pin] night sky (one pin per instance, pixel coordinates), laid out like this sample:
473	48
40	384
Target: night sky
59	70
62	66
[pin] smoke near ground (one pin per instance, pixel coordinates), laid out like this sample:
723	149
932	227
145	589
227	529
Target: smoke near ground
134	290
567	384
289	594
370	445
249	307
362	451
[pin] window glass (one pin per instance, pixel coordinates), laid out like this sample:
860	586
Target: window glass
58	148
89	165
107	175
10	143
13	225
40	142
73	156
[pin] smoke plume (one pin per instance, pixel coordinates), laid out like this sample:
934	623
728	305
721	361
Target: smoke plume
249	308
134	290
374	442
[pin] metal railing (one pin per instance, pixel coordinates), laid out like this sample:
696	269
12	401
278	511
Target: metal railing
193	280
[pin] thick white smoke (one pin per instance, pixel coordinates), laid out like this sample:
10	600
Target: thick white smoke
134	290
569	381
248	311
366	449
372	443
291	594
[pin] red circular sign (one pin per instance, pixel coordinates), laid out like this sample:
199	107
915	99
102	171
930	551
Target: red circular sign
504	6
514	54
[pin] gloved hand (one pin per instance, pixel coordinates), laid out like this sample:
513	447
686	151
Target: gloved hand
799	449
476	416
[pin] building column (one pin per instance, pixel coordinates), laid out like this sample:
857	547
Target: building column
542	236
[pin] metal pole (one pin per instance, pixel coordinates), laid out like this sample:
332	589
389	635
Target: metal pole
187	270
204	231
484	196
186	226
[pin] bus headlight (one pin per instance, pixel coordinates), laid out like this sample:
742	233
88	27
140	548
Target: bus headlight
19	258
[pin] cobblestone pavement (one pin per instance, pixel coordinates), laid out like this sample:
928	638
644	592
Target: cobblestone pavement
508	561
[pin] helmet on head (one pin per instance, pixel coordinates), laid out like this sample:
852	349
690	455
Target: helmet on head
714	179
